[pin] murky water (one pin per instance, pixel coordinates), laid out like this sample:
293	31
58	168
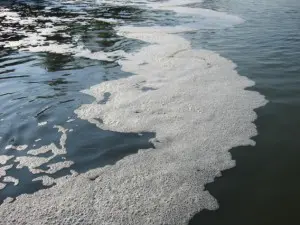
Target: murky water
264	187
45	87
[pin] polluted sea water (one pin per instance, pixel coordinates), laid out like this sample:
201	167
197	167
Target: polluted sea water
194	101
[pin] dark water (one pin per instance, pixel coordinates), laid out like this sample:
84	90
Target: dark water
264	187
38	87
34	87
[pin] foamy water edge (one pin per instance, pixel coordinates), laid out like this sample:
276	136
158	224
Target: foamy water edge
197	105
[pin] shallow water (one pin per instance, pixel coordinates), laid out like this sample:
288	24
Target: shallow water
38	87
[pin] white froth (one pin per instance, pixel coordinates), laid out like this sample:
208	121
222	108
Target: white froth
53	168
104	56
2	186
198	107
43	149
9	199
32	161
18	148
109	20
5	158
42	123
3	170
46	180
53	48
9	179
37	41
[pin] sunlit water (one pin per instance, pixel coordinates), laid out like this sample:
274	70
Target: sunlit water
39	87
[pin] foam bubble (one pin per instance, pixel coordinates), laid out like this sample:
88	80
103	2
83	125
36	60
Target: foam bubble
46	180
42	123
52	147
198	107
18	148
100	55
7	200
3	170
5	158
32	161
109	20
53	168
9	179
2	186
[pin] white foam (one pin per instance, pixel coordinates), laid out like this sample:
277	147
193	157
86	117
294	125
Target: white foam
3	170
53	48
42	150
5	158
52	147
42	123
9	179
31	39
37	41
109	20
199	109
18	148
2	186
53	168
8	199
46	180
32	161
100	55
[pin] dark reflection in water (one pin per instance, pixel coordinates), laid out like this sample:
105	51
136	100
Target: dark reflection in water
263	189
54	62
39	87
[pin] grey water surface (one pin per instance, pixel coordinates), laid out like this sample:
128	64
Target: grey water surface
264	187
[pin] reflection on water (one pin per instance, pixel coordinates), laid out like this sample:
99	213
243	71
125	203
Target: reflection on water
44	87
41	90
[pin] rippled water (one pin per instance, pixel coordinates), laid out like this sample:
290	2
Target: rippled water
45	87
39	87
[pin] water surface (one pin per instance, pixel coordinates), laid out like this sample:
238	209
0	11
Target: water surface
264	187
39	87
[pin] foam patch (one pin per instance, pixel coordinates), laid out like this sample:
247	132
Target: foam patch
197	105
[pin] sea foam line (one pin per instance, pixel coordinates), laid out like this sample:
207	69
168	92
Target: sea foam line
197	105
